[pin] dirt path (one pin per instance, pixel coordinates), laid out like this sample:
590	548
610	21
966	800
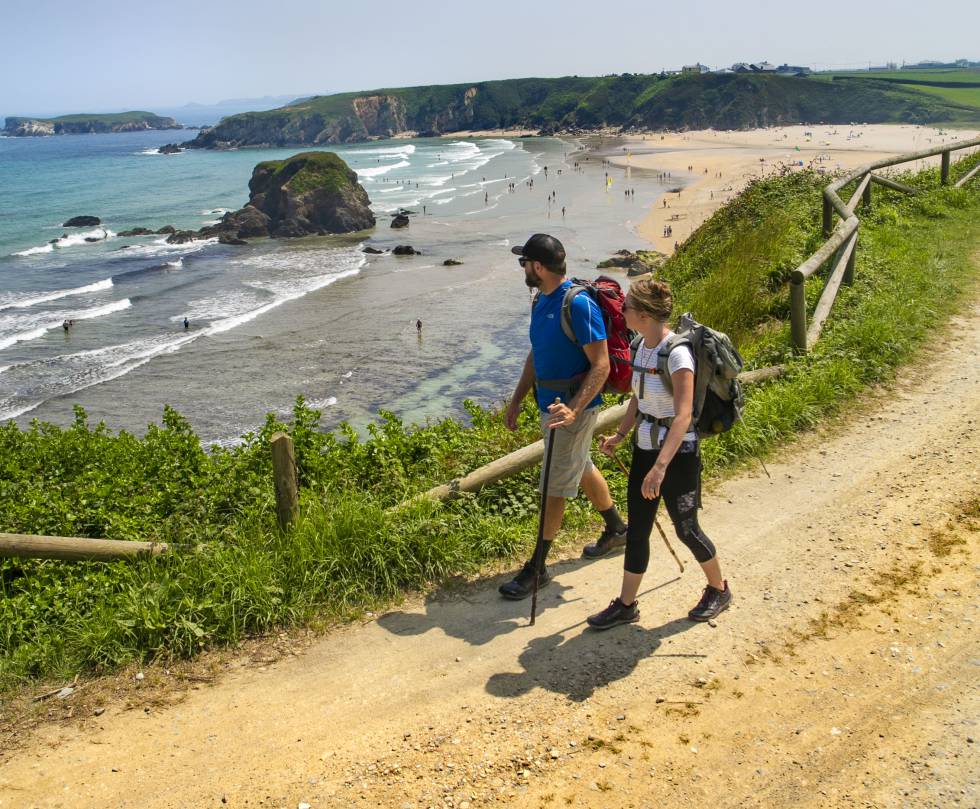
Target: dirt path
846	673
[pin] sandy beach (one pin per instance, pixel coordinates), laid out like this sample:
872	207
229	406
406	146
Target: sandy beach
715	166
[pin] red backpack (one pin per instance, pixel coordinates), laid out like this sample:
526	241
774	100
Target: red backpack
609	297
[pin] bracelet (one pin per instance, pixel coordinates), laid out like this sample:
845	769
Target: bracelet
621	435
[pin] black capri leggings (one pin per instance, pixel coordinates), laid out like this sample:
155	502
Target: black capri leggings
679	491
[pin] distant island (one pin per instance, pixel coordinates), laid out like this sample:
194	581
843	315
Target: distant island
82	124
575	103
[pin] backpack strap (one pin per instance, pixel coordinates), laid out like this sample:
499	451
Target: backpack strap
663	357
568	387
663	369
566	311
634	348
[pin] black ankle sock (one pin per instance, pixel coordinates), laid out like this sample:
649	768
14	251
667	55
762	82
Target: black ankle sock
613	521
541	554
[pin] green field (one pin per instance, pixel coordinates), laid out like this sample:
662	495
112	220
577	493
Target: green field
957	86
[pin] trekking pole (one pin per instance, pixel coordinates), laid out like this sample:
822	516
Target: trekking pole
656	522
541	512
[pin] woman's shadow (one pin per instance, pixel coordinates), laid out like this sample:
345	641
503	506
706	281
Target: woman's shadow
586	661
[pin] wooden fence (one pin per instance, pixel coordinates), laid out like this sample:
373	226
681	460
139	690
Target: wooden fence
839	250
841	245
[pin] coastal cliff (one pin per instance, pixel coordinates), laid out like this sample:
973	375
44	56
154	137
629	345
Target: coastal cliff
574	103
136	121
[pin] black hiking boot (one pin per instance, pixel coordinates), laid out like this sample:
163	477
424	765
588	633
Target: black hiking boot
712	603
615	614
606	542
522	584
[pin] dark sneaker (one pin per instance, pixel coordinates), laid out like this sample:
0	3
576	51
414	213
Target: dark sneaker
608	541
523	583
712	602
613	615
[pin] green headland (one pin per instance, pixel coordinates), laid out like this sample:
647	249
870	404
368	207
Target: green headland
572	103
78	124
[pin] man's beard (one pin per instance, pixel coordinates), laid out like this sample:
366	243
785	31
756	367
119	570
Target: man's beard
532	279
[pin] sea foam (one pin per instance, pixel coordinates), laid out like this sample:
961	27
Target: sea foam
22	329
33	299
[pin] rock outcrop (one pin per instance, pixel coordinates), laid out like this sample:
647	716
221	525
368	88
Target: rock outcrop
308	193
405	250
82	222
451	262
136	232
312	193
638	263
400	221
170	148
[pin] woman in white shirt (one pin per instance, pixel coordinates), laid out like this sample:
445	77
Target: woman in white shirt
666	460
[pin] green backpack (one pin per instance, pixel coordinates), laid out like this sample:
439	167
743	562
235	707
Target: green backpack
718	398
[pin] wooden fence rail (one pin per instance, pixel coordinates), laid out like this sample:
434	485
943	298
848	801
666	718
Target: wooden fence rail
839	251
76	549
521	459
841	246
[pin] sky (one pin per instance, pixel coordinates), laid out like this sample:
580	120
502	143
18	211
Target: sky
61	56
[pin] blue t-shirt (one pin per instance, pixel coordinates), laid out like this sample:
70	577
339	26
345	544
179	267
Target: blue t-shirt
555	356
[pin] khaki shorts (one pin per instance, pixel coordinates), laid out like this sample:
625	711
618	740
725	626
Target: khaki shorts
571	457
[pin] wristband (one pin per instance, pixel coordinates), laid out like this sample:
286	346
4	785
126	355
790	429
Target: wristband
621	435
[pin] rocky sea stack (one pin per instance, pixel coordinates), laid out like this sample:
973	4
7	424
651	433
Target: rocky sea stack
308	193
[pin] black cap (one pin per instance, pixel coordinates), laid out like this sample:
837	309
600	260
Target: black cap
544	248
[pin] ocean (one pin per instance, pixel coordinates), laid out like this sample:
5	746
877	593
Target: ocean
276	319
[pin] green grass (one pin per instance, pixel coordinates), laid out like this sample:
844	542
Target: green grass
959	87
309	171
967	96
943	77
232	574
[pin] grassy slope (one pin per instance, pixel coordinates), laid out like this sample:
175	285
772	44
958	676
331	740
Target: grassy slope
960	87
651	101
232	574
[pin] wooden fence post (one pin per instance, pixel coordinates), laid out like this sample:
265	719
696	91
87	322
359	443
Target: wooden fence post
797	310
866	199
284	477
848	277
944	169
828	216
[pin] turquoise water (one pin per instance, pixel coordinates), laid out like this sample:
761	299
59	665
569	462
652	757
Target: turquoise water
278	318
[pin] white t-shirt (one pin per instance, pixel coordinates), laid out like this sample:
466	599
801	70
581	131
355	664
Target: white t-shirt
657	401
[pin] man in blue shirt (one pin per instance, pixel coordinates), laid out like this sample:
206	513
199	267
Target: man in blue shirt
569	376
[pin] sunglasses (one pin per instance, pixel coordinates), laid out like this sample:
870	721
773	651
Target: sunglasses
523	260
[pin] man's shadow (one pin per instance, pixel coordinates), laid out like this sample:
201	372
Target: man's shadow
479	614
586	661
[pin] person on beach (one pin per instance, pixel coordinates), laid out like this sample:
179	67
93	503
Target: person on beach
187	323
666	461
418	327
567	379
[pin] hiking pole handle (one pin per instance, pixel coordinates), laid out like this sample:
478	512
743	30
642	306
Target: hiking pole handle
541	517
